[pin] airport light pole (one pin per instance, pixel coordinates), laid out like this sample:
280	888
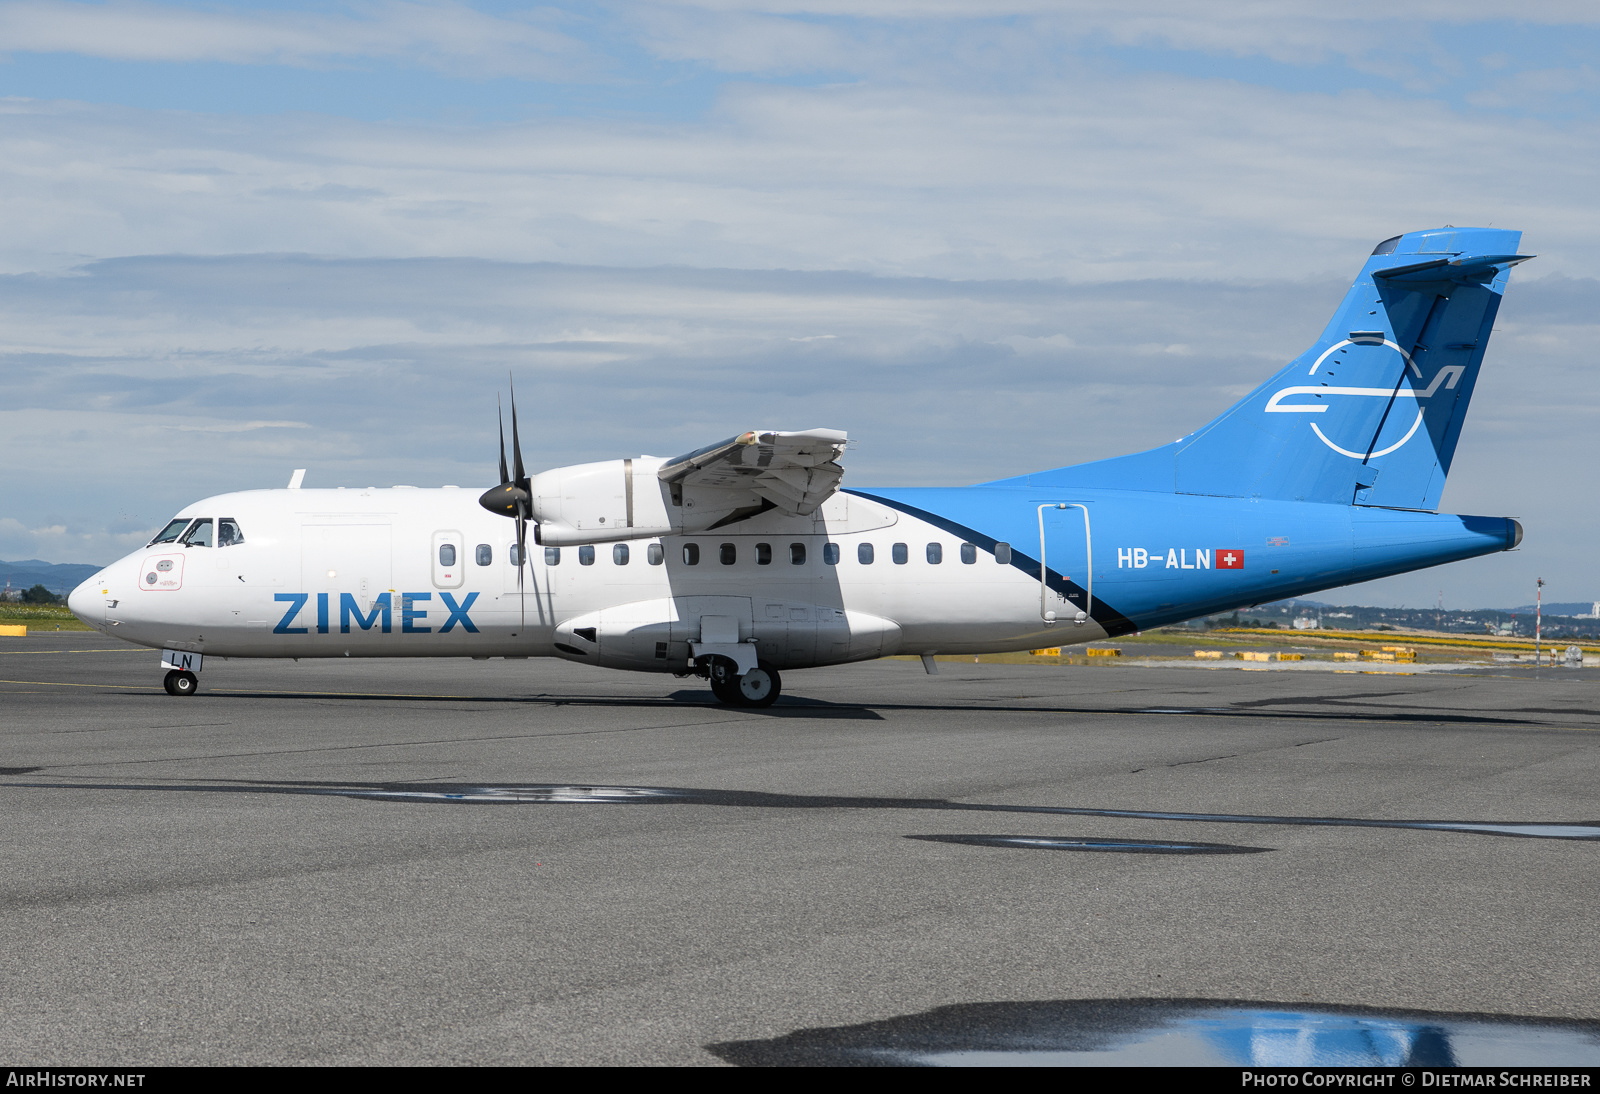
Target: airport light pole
1538	605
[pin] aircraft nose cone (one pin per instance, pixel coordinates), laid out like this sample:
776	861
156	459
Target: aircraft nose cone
502	500
85	599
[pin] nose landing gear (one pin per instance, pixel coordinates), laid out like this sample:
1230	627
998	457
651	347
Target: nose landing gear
759	687
181	682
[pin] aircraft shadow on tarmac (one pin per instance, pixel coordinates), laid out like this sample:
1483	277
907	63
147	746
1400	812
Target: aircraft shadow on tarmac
570	794
786	707
1340	708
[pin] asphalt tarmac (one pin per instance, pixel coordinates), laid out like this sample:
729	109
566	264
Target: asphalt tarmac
527	862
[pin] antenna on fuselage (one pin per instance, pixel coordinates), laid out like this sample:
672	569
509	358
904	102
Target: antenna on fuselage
297	478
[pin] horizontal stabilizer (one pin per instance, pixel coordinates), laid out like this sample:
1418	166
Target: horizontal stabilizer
1462	270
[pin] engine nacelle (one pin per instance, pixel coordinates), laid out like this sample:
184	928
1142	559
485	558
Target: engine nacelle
601	502
626	499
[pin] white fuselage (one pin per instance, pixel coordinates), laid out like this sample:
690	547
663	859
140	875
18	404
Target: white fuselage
407	572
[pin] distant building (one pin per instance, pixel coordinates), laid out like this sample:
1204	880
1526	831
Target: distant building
1306	623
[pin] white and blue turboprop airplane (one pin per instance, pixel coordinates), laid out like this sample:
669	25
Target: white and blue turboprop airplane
744	559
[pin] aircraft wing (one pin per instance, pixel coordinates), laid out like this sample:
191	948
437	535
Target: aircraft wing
795	472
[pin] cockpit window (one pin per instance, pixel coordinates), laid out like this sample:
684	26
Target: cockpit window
199	534
228	532
171	531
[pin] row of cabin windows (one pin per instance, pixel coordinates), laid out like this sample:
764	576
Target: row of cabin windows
900	554
484	555
728	554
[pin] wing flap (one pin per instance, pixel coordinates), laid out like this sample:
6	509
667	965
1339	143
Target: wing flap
794	471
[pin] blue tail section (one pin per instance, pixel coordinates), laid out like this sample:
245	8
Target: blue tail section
1371	413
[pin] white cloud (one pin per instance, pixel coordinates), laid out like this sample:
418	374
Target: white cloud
1108	11
59	543
451	37
1155	176
894	38
235	427
1539	89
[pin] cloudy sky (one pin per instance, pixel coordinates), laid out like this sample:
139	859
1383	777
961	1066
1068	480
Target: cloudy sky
984	237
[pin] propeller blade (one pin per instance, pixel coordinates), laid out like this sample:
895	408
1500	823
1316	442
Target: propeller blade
516	444
522	561
502	416
511	496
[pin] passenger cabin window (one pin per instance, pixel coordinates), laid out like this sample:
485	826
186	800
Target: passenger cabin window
830	554
447	554
199	534
691	554
171	532
969	553
763	554
935	554
1002	553
485	554
228	532
514	553
864	554
728	554
900	554
619	554
797	554
552	556
654	555
586	556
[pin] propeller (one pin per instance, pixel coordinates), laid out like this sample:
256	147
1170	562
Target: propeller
514	496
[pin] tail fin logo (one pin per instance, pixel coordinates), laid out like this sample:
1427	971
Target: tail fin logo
1445	379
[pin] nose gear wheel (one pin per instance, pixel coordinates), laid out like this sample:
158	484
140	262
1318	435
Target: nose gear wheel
181	682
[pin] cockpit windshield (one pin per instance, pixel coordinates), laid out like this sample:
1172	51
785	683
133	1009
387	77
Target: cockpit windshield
199	535
228	532
171	532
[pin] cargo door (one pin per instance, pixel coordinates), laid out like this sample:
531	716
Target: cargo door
1065	550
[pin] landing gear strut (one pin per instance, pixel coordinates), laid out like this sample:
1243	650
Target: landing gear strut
181	682
759	687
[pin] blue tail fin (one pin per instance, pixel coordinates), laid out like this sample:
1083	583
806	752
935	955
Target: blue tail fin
1371	413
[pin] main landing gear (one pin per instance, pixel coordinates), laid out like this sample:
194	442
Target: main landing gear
759	687
181	682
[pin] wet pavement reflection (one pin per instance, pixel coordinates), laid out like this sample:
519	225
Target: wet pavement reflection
1180	1033
563	794
1070	843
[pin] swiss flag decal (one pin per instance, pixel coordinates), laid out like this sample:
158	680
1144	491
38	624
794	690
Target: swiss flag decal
1228	559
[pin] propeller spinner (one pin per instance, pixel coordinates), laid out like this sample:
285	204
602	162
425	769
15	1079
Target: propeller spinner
513	497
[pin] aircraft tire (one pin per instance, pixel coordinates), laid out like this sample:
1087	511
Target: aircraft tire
760	687
183	683
167	682
724	684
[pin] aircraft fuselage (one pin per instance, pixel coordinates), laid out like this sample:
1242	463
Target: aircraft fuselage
427	572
